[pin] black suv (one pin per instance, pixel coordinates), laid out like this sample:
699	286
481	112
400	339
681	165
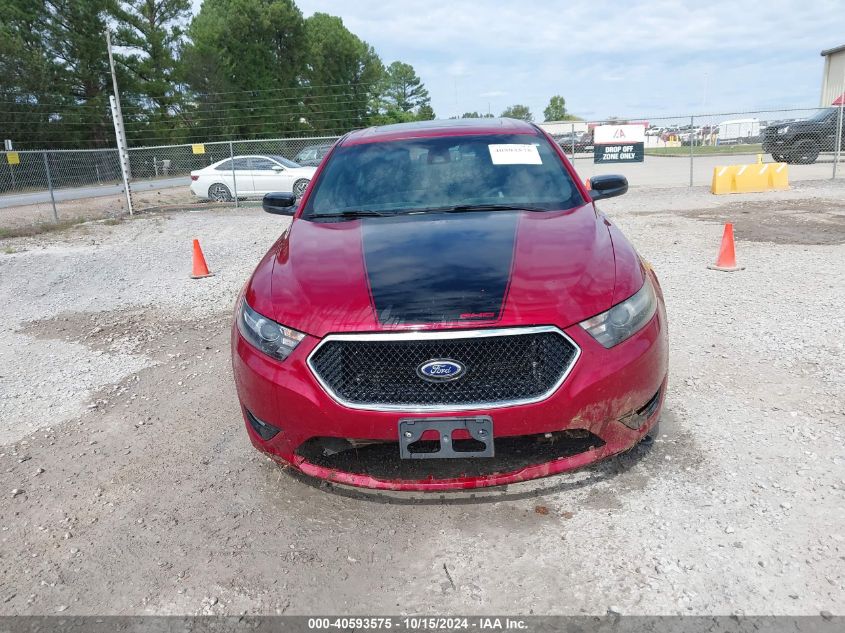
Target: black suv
801	141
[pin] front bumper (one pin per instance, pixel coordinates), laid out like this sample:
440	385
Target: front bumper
604	389
774	144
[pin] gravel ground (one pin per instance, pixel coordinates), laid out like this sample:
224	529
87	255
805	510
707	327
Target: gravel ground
129	485
92	208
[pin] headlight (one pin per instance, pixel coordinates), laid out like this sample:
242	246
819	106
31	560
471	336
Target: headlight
783	130
268	336
624	319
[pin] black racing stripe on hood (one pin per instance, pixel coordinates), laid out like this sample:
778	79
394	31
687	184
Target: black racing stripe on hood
437	268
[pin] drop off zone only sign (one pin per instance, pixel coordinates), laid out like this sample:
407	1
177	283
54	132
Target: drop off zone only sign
619	143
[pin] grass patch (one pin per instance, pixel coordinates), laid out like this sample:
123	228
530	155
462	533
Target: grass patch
705	150
51	227
38	229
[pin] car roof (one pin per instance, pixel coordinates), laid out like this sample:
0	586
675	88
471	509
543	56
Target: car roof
247	156
320	146
274	157
447	127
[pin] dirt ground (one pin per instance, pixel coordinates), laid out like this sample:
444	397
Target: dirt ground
96	208
130	487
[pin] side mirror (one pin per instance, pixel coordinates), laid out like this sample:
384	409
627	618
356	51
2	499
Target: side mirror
279	203
608	186
278	168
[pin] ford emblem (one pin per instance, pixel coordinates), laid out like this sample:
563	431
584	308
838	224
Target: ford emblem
440	370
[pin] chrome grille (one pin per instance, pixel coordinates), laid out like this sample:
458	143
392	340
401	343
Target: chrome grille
503	367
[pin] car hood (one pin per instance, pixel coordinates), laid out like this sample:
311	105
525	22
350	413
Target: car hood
797	124
447	270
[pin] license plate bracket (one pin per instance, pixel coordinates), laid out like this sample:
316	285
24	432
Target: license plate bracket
479	428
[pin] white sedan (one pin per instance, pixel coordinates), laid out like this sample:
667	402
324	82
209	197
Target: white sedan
250	176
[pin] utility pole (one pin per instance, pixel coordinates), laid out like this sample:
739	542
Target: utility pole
117	112
122	154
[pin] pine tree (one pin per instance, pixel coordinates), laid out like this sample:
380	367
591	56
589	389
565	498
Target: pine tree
152	30
241	47
341	74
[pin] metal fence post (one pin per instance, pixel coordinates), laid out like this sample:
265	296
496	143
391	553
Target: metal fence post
573	142
50	187
838	153
234	180
691	140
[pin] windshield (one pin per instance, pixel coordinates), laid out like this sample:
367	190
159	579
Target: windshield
286	162
429	174
821	115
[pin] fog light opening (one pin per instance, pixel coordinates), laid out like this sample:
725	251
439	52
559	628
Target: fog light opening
265	431
635	420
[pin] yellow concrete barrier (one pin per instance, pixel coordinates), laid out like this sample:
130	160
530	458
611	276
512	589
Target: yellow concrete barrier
750	178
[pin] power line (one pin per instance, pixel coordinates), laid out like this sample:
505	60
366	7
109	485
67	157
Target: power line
204	94
235	118
255	104
307	123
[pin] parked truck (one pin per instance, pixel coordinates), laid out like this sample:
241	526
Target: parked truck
802	141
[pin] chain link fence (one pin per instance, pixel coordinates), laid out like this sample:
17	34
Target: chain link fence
55	185
685	150
64	185
223	171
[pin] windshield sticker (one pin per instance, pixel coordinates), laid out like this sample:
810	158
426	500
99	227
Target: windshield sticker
515	154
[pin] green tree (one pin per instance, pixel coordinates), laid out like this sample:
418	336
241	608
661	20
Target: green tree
556	110
241	68
474	115
425	113
342	73
403	89
25	70
153	32
74	46
256	47
54	77
518	112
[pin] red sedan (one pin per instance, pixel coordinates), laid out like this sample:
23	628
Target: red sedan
447	310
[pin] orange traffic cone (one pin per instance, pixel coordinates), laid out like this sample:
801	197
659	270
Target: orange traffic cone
727	256
588	184
200	268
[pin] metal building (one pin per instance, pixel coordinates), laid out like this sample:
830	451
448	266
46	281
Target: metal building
833	80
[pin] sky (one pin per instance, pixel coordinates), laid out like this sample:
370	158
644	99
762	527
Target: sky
607	58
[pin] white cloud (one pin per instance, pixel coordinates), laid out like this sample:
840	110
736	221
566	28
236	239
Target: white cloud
456	69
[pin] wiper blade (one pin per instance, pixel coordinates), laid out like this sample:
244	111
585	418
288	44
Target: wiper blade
350	214
471	208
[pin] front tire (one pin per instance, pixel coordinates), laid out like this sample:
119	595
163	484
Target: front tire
652	435
218	192
805	153
778	158
300	186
